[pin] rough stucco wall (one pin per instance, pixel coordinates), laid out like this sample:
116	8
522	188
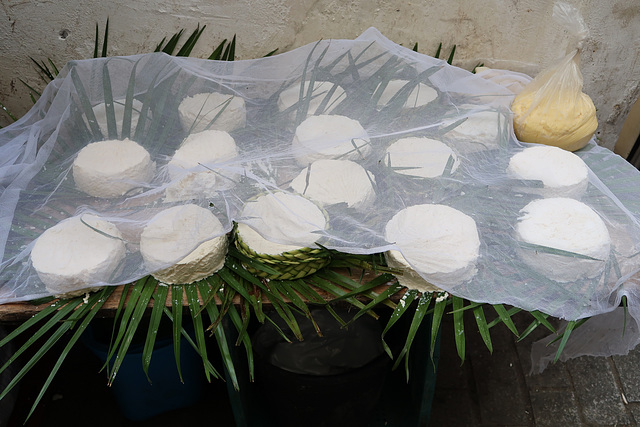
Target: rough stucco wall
504	33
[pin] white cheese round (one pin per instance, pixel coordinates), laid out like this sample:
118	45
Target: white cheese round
112	168
100	111
183	244
438	246
291	96
198	111
280	222
562	173
479	131
421	157
566	225
73	254
336	181
420	95
196	169
330	137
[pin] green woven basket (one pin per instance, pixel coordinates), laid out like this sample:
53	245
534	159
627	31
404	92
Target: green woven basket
289	265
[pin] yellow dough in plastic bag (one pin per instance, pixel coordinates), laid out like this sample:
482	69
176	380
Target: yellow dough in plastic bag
568	123
552	109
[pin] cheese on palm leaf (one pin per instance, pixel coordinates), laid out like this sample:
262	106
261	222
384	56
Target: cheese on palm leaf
562	173
112	168
421	157
196	168
563	239
330	137
76	253
276	223
324	93
183	244
419	96
212	111
336	181
439	242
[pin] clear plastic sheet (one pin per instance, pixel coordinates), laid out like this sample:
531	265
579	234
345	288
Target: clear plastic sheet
38	152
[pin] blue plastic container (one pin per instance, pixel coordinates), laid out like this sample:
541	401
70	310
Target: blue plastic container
138	399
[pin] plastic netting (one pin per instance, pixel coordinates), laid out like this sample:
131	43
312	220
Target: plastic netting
139	98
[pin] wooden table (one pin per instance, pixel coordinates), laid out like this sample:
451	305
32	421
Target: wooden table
19	311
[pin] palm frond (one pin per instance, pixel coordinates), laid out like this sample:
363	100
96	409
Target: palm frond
7	112
187	47
44	70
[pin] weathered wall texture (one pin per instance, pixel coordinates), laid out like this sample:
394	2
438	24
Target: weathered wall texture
516	34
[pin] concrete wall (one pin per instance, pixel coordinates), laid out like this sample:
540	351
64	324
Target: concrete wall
516	34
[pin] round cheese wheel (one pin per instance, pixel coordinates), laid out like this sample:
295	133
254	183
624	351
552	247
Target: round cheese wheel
479	131
565	239
336	181
76	253
421	157
183	244
100	111
562	173
112	168
280	222
437	246
212	111
330	137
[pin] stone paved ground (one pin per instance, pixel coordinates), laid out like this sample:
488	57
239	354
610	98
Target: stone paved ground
497	390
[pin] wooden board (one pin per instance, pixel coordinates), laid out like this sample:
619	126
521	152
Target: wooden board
18	312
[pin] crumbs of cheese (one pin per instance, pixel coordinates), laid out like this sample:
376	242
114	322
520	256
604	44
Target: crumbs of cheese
199	167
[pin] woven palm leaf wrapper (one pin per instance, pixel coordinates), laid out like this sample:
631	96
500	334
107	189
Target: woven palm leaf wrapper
289	264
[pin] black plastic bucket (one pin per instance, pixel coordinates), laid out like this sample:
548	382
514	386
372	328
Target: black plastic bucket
330	380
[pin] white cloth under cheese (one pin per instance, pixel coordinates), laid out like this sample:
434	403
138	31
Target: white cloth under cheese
76	253
197	169
336	181
420	157
112	168
212	111
280	222
567	225
183	244
419	96
562	173
321	90
330	137
438	246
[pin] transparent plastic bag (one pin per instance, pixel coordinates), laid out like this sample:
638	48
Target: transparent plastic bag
552	109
